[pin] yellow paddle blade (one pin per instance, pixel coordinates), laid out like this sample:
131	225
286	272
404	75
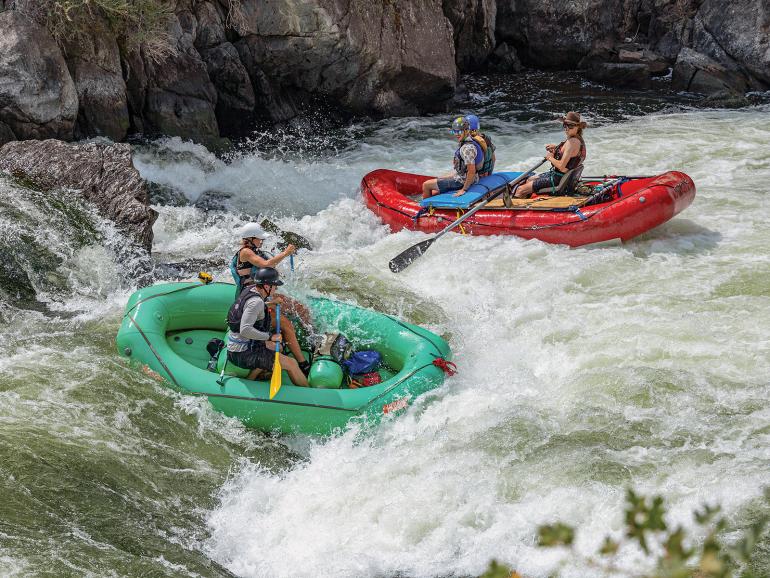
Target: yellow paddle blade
275	380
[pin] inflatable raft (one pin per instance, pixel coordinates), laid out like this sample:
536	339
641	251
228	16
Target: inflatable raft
626	207
166	328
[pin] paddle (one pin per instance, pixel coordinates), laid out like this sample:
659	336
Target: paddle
403	260
275	380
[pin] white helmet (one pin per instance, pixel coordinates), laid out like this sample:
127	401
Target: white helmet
254	230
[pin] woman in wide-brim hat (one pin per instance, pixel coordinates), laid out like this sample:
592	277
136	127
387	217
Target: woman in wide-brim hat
565	156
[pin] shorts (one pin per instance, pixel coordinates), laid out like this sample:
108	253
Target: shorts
544	181
448	184
258	357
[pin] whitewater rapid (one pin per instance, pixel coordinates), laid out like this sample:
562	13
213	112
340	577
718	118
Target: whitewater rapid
582	372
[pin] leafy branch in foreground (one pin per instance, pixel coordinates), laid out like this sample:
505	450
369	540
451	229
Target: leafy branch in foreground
646	528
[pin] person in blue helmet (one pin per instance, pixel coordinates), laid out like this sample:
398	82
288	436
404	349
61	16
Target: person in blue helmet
473	158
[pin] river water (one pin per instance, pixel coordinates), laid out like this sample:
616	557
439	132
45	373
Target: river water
583	372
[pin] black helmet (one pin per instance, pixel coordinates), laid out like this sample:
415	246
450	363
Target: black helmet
267	276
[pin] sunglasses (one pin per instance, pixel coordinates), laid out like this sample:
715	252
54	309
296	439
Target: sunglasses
568	125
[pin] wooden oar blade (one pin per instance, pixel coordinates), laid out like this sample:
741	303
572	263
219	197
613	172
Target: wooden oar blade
275	380
403	260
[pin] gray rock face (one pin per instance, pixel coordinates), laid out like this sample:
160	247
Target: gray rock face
473	24
696	72
37	95
626	75
94	63
332	49
559	33
104	174
737	34
6	134
235	94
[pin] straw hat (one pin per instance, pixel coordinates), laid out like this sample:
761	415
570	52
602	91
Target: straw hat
574	118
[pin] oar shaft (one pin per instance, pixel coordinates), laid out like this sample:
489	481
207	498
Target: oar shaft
495	193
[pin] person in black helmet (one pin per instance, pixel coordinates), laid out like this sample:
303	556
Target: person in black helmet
250	326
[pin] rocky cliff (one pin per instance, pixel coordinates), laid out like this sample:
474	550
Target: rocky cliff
212	68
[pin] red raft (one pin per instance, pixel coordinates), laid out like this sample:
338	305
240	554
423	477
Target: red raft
628	209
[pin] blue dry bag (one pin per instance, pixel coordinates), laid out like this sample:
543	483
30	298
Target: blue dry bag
362	362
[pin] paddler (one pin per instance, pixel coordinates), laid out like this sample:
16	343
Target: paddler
249	259
473	158
565	156
249	342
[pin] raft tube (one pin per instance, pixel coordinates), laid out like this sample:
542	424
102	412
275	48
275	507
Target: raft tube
638	206
166	328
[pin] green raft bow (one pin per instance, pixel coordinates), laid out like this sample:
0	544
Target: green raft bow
166	329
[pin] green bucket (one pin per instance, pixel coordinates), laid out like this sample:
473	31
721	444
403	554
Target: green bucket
325	373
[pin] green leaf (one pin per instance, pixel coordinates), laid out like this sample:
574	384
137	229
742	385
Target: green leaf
609	547
555	535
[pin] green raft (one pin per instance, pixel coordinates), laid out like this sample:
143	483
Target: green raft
166	328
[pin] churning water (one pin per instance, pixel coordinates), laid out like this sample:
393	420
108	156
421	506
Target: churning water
582	371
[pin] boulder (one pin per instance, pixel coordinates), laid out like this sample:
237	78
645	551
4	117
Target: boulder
94	63
656	64
559	33
505	59
696	72
388	58
634	76
235	94
739	29
6	134
37	96
178	97
473	26
103	173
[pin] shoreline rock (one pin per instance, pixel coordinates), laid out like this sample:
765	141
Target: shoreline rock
103	173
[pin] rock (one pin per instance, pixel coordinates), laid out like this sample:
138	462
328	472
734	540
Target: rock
656	64
366	57
178	98
473	25
6	134
94	63
235	94
37	96
217	201
635	76
210	29
696	72
159	194
104	174
559	33
505	59
725	99
741	30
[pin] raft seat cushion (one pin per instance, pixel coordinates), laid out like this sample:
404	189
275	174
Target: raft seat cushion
472	195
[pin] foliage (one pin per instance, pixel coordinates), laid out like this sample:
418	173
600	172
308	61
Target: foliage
667	549
135	22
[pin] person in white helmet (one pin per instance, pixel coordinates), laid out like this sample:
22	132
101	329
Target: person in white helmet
249	259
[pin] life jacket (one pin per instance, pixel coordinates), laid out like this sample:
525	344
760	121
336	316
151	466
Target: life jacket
235	313
236	264
575	161
482	143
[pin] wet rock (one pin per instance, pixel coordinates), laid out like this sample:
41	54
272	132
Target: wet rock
213	201
37	96
635	76
656	64
159	194
235	94
725	99
94	63
696	72
473	31
104	175
505	59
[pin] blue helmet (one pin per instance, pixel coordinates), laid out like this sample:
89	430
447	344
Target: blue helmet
473	122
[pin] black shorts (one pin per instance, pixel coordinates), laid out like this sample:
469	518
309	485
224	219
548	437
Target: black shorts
544	181
258	357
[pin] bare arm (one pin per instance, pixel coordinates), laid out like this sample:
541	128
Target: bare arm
469	178
250	256
571	149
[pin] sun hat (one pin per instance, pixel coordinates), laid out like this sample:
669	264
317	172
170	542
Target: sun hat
574	118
